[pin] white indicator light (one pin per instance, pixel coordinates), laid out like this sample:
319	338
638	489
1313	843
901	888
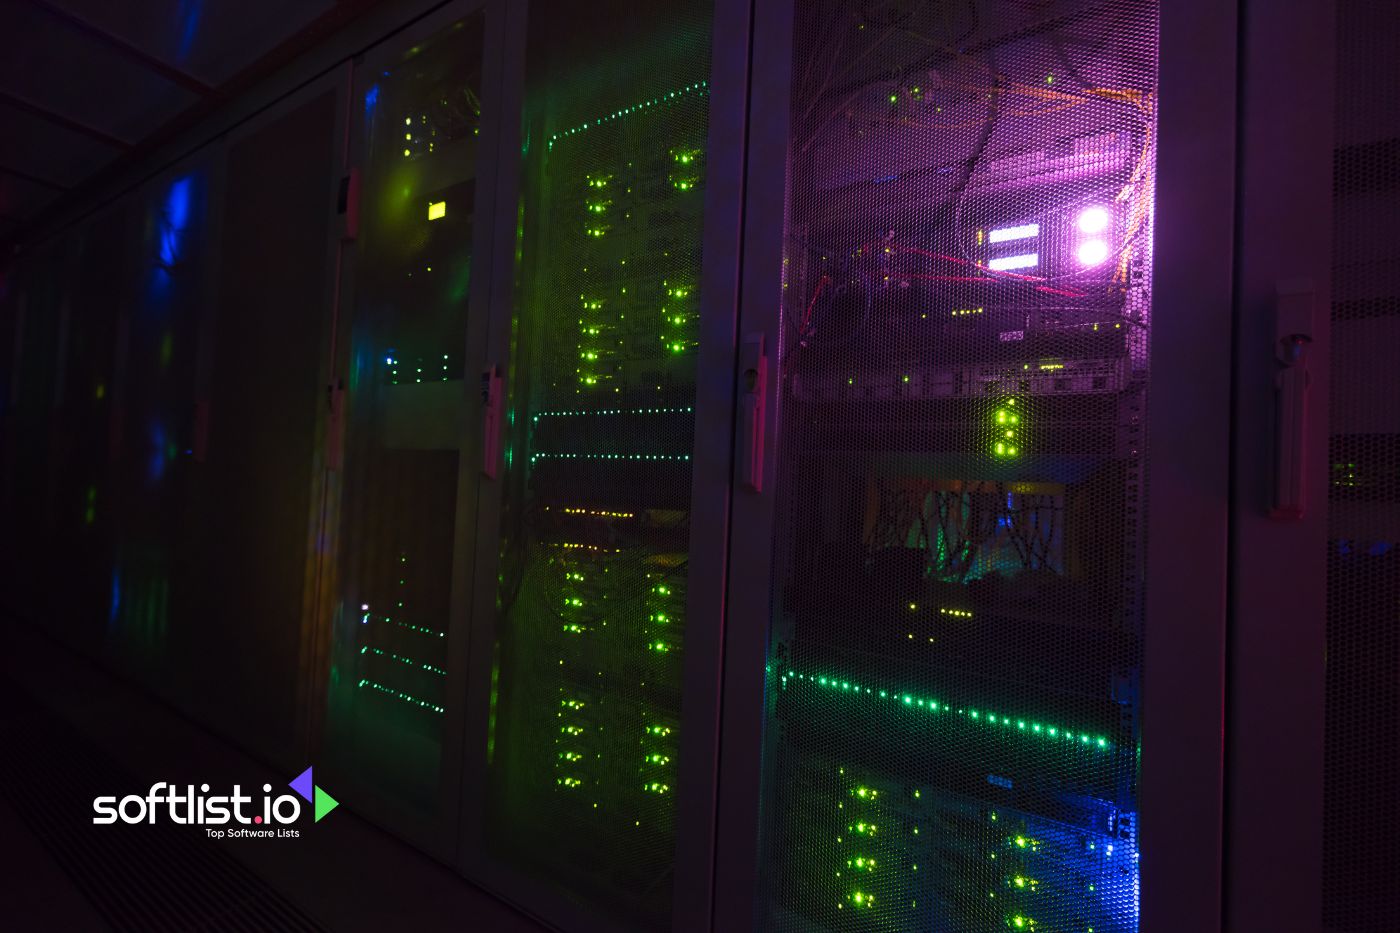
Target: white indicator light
1092	253
1093	220
1006	234
1025	261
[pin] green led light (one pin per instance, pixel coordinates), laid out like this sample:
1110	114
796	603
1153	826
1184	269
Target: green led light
1023	726
573	456
366	618
412	662
1007	420
699	87
400	695
615	411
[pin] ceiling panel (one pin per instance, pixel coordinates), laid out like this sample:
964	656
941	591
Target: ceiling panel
63	70
85	82
38	147
23	199
210	39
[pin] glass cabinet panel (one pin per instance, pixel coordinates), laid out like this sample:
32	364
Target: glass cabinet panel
406	390
955	656
586	707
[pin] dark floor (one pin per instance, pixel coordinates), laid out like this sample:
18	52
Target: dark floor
69	731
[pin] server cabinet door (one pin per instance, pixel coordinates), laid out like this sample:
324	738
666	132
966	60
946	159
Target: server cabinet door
988	342
598	592
155	395
403	494
1361	762
38	296
79	583
249	525
1315	652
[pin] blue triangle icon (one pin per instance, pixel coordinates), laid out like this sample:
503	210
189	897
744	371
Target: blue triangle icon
303	785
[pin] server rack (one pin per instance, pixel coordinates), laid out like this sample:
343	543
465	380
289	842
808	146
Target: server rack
952	460
966	311
592	740
403	431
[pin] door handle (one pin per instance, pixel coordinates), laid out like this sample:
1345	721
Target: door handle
491	422
753	376
1293	324
335	426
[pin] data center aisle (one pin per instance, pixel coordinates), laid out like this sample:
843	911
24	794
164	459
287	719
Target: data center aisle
69	729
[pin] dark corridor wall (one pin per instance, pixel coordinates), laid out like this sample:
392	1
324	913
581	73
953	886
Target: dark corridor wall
165	366
250	500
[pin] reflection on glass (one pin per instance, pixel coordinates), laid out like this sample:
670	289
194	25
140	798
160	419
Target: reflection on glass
586	712
404	380
157	398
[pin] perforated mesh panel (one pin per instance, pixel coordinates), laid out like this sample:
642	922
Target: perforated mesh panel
1362	802
587	714
956	657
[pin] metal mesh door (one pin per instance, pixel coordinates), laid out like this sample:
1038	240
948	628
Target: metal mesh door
406	389
586	698
1362	763
956	654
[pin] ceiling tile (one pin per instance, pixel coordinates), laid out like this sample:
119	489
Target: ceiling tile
65	71
22	200
34	146
209	39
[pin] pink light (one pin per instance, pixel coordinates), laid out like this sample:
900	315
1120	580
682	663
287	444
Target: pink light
1093	220
1092	253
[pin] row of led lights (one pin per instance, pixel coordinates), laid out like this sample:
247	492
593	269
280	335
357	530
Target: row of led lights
1090	252
934	706
614	411
569	456
365	618
400	695
626	111
411	662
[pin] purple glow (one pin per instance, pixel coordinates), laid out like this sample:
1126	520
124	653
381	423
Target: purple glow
1093	220
1005	234
1092	253
1025	261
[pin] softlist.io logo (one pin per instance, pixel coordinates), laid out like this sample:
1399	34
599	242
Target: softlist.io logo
272	815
